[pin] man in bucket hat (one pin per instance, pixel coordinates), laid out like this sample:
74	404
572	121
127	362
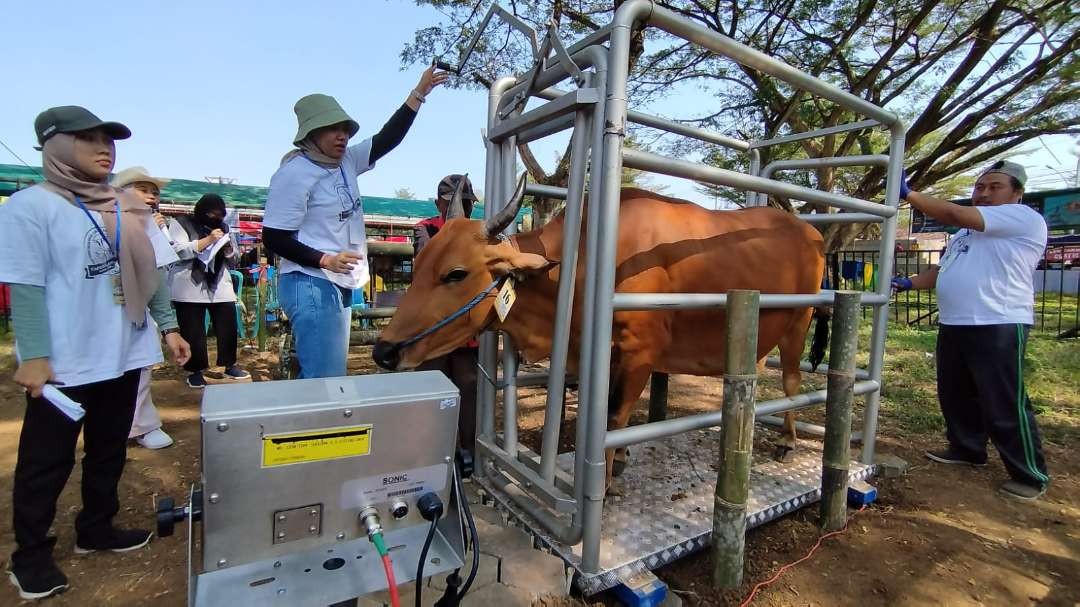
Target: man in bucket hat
315	222
985	307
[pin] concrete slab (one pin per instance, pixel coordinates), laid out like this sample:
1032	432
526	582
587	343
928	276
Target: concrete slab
503	596
487	574
890	466
539	573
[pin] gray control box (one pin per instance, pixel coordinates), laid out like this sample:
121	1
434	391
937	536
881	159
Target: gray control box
289	465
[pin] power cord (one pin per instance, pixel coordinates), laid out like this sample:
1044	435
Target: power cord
474	538
431	508
452	596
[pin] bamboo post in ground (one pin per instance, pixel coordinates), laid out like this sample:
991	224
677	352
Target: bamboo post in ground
658	397
736	439
840	392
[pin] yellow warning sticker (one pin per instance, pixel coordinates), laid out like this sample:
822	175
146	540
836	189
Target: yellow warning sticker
316	445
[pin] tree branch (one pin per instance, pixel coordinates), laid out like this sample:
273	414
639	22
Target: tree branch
531	165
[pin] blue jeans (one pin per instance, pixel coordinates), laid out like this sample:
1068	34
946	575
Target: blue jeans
320	325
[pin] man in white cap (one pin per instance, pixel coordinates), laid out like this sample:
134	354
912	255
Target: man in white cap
985	289
146	426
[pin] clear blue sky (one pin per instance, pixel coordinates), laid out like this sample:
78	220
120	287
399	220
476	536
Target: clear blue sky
208	87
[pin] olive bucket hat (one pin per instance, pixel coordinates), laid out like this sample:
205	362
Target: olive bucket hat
317	111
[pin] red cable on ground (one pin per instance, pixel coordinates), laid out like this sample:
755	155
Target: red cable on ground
395	600
817	545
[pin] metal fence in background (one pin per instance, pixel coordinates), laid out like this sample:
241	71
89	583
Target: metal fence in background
1057	286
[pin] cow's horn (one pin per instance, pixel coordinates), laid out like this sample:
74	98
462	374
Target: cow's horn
506	216
456	208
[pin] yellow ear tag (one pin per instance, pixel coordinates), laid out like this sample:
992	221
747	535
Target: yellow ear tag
505	299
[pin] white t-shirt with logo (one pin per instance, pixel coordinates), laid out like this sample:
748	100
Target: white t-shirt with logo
324	209
46	241
987	278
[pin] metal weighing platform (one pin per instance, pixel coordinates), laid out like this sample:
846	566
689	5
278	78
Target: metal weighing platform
665	510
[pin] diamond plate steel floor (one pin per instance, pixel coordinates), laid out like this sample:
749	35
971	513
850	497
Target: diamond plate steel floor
665	510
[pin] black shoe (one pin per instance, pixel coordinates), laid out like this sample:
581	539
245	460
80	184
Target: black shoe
196	380
39	583
236	373
121	540
952	456
1022	491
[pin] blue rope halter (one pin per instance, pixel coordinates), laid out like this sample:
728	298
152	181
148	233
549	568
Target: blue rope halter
463	310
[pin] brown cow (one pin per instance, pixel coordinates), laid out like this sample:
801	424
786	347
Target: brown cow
665	246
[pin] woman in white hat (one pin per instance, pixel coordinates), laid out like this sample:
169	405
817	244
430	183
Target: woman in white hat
146	426
314	220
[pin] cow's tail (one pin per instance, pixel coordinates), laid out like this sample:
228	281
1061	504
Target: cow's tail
822	314
821	336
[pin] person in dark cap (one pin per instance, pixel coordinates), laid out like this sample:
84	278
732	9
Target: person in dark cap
200	283
986	309
85	281
460	365
426	229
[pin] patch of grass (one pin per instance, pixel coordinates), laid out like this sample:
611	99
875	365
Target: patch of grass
909	398
1052	377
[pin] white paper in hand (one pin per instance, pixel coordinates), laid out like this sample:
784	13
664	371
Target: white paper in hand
61	401
207	255
163	250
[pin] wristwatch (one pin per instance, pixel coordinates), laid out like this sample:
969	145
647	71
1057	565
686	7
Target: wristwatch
167	331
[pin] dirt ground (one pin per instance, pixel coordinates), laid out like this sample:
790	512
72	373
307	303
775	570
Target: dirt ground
938	536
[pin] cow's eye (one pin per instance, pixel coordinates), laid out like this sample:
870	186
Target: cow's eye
455	275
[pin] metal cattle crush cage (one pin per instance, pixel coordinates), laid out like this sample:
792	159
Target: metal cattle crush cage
561	498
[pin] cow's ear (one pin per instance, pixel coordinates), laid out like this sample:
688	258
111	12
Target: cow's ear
521	264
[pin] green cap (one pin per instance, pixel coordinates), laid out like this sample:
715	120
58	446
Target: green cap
71	119
317	111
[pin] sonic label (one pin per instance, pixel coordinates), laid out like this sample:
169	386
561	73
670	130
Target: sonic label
384	487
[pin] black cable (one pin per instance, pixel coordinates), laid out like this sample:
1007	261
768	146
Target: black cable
473	536
423	558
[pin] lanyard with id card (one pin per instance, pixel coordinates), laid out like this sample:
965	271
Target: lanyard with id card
114	248
356	231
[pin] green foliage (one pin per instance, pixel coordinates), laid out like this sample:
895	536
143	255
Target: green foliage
404	194
973	80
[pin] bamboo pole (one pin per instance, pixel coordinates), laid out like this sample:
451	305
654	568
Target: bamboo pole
736	439
658	397
840	392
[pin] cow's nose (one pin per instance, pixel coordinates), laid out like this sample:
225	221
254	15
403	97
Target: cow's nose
386	355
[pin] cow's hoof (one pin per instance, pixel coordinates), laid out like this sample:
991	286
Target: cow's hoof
619	463
618	467
783	454
613	490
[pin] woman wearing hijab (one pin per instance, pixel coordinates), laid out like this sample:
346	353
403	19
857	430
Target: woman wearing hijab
314	220
84	279
201	283
146	425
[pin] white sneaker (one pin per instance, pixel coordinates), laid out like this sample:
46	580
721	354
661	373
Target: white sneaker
155	439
